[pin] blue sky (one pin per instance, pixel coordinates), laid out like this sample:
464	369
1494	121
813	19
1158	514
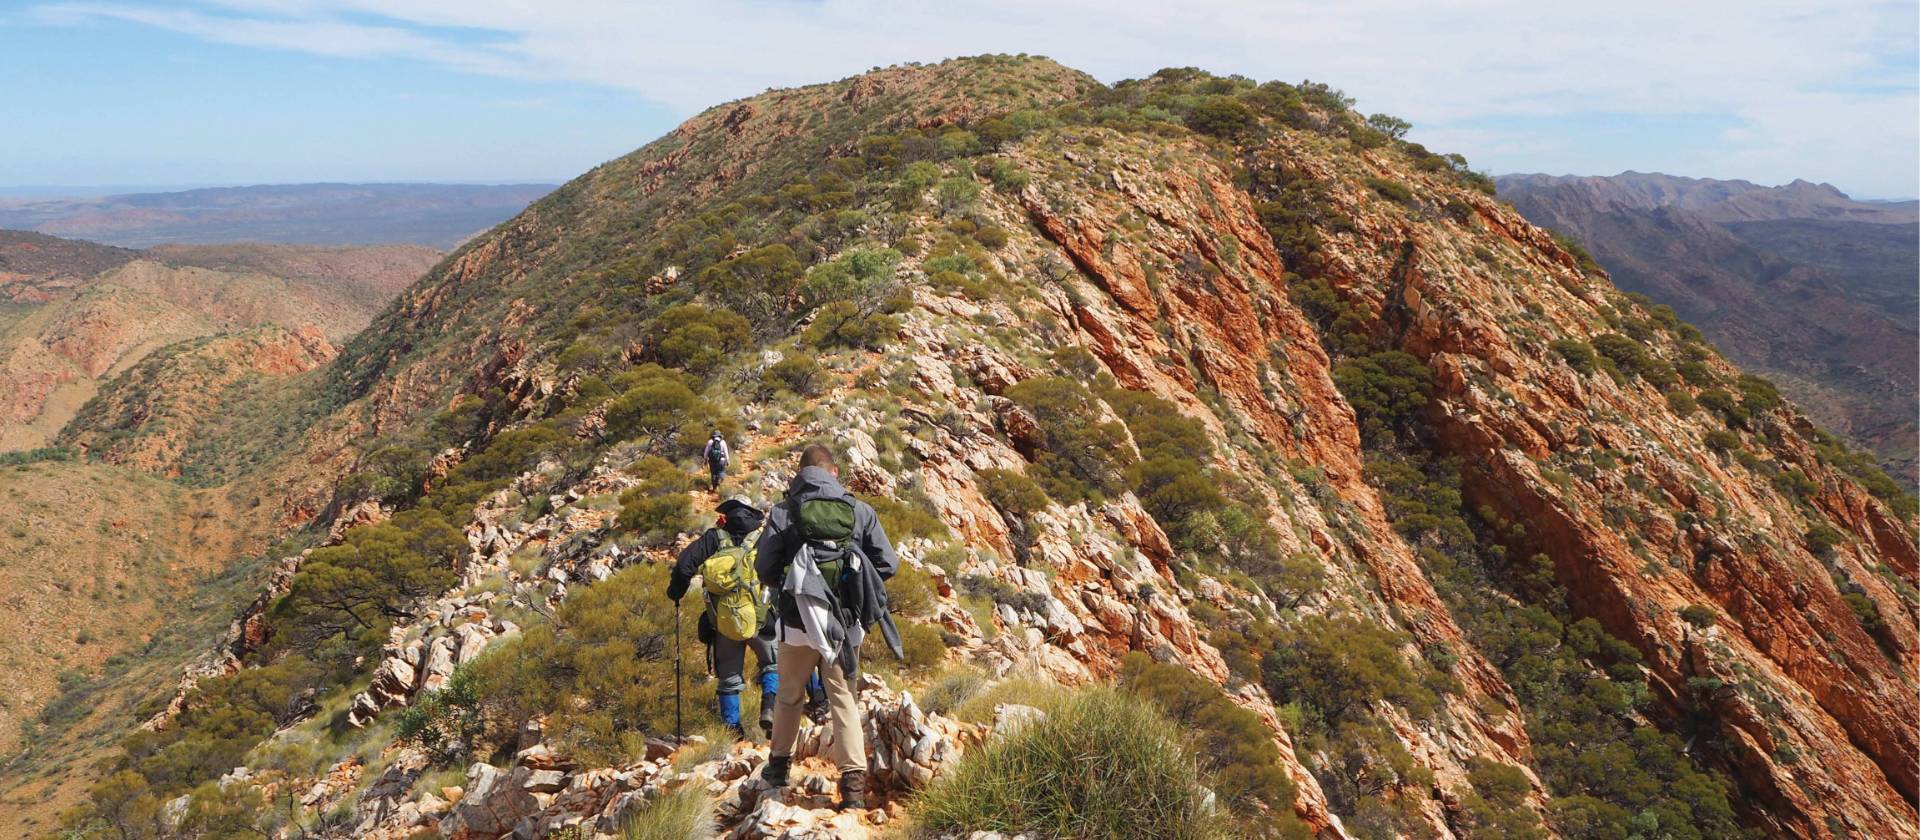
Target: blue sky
124	92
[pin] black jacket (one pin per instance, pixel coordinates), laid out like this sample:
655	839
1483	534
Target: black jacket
781	540
740	522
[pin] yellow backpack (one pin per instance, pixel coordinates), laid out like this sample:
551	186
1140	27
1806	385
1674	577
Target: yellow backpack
733	587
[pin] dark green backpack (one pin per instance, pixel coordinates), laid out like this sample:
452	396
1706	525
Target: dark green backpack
827	524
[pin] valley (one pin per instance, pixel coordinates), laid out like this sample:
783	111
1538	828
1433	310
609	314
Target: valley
1798	282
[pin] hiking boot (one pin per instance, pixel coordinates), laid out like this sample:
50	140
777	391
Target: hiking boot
817	711
853	790
767	701
775	773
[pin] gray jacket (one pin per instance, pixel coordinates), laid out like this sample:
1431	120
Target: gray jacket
779	541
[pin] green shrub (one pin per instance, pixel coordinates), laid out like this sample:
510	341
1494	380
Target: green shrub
1722	440
659	509
659	409
798	373
1393	191
1579	252
954	687
1231	743
602	672
755	284
1579	354
1012	493
1040	780
1388	392
447	724
858	276
1682	403
906	518
924	647
1631	358
1796	483
378	575
1221	116
1338	667
1722	403
697	339
1392	126
684	813
1497	806
1757	395
844	324
911	592
1084	457
990	237
956	193
1867	612
1699	615
1822	538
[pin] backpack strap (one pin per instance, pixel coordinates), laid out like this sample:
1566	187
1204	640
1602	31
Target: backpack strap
749	538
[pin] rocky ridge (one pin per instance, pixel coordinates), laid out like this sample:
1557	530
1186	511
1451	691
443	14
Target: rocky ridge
1154	255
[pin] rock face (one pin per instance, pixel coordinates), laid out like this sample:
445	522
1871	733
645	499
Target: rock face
1724	543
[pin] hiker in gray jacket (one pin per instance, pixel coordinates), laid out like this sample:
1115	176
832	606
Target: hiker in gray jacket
841	555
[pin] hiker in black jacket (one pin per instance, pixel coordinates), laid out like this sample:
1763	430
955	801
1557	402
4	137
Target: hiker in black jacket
739	522
825	555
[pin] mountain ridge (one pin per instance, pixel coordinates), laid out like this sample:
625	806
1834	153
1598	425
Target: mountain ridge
1188	368
324	213
1818	295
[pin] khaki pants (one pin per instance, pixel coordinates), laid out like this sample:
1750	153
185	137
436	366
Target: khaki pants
849	742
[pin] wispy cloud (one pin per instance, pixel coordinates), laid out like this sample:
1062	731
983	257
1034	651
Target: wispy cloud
1822	88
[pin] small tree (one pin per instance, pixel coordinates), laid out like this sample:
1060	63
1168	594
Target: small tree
1392	126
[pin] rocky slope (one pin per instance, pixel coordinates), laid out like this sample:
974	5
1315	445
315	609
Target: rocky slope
1797	281
74	332
1484	546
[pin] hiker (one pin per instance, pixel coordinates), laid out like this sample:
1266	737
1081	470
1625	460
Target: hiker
717	456
736	617
826	557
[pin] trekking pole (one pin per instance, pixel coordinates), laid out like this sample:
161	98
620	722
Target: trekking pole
678	734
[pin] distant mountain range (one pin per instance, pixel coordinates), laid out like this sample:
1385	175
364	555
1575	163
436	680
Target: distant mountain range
434	215
1799	282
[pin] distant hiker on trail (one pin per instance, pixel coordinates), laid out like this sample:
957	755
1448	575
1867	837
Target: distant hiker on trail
717	456
736	619
826	556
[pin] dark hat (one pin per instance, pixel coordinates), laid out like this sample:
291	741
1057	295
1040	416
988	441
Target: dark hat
733	503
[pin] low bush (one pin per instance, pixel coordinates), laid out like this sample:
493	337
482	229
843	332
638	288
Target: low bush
798	373
1084	456
1578	354
602	671
659	509
1012	493
697	339
684	813
1336	668
1039	779
911	591
923	648
1393	191
1231	743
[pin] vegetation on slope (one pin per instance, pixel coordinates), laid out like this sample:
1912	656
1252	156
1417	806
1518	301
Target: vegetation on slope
655	287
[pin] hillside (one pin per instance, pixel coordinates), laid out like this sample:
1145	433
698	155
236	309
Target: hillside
69	332
1798	282
103	569
431	215
1376	511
